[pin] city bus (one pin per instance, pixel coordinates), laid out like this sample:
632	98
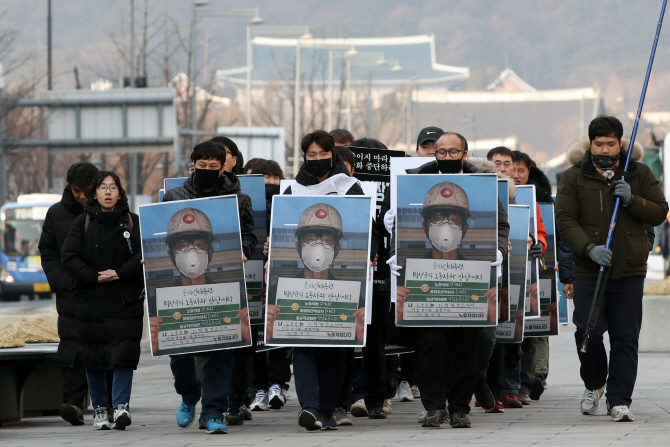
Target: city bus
20	262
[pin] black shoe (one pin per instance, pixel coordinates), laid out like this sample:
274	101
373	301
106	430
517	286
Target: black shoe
433	418
310	419
483	395
537	387
459	420
328	423
72	414
245	411
376	413
234	417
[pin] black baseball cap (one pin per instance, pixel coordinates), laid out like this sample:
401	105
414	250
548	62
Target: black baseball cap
429	134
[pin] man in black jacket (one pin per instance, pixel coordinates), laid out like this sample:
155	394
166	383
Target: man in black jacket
209	180
57	224
454	348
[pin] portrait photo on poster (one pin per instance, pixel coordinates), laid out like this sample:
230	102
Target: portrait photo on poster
318	270
194	276
525	195
512	331
447	238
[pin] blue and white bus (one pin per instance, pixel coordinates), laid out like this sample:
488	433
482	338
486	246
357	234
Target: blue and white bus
20	262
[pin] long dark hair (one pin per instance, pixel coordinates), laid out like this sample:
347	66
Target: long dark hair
98	179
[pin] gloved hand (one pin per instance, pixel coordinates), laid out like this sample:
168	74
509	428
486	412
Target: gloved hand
389	219
622	189
601	255
394	267
535	250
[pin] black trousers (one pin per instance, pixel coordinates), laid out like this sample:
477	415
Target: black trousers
75	385
494	373
373	380
239	380
486	345
318	374
269	368
621	317
447	367
528	349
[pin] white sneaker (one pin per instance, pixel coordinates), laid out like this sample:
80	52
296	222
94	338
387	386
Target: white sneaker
423	413
621	413
275	398
286	394
415	392
388	406
358	409
260	402
100	421
591	401
122	417
405	392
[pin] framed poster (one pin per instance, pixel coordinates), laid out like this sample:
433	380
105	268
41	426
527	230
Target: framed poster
525	195
252	185
547	323
446	239
194	275
503	280
318	271
519	222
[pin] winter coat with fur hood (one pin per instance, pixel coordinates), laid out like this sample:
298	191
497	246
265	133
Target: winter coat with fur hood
584	206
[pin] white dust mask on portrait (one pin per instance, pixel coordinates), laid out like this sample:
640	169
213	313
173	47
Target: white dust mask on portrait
317	256
445	236
191	261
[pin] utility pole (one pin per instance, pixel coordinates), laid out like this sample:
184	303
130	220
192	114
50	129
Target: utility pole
50	172
3	167
133	157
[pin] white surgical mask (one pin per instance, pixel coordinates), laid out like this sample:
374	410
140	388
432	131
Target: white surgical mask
191	261
445	236
317	256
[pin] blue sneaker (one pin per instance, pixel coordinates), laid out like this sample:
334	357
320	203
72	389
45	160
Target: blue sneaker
185	415
215	426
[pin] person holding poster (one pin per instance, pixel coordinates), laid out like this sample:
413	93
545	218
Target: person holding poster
584	205
319	372
453	349
208	179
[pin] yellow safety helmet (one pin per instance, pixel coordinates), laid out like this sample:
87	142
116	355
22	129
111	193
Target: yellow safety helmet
320	217
446	195
189	221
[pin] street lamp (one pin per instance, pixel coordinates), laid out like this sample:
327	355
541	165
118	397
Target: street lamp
275	30
197	10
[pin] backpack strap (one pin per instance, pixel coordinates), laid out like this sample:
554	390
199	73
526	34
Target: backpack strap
88	221
130	223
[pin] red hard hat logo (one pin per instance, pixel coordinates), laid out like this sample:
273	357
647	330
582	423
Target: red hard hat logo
321	214
189	218
447	192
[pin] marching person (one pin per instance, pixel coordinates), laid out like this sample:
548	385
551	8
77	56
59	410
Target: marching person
56	227
584	207
102	254
208	179
453	349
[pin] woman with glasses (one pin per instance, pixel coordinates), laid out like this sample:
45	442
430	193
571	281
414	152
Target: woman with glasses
102	254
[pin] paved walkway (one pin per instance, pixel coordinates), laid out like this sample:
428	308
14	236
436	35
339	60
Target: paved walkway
554	420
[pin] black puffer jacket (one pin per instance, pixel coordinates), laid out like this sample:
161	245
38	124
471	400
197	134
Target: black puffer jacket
228	184
109	314
56	227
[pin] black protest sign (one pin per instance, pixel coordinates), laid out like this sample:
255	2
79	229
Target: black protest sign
373	165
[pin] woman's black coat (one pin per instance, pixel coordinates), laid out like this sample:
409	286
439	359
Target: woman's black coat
109	314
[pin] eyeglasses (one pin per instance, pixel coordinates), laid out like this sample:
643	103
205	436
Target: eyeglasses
314	236
453	153
103	188
439	217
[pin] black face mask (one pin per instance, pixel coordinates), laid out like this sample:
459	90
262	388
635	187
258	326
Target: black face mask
450	166
271	190
319	167
605	162
206	178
